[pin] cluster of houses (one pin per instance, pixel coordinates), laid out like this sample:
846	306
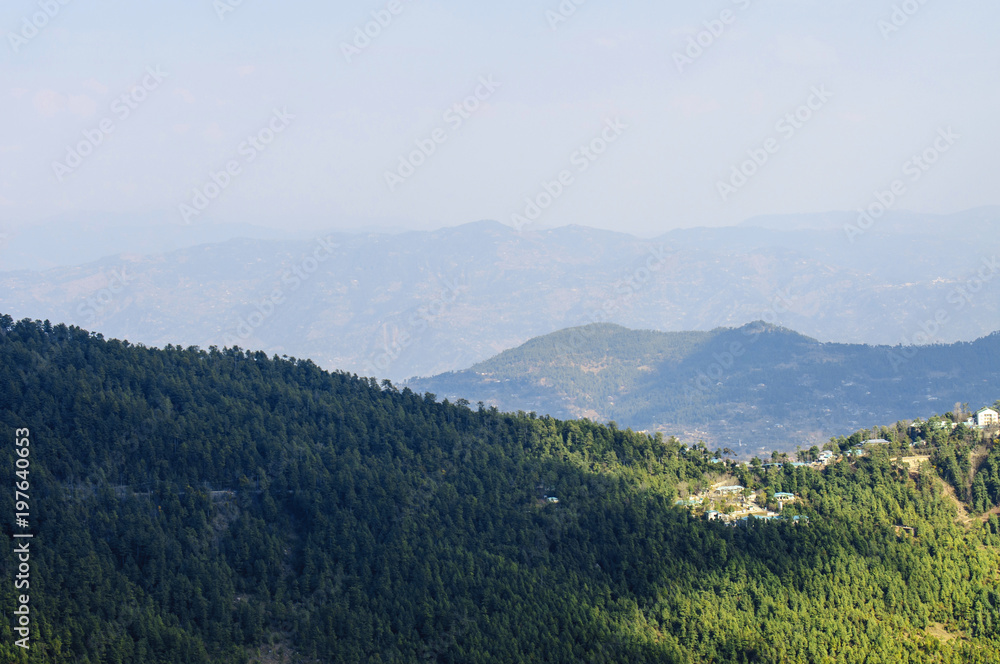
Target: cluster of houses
742	505
981	419
745	509
823	459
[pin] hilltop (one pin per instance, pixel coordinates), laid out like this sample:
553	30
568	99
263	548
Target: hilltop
760	385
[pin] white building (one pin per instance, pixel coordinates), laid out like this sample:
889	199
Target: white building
986	417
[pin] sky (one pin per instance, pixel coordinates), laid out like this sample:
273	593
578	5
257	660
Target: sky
633	116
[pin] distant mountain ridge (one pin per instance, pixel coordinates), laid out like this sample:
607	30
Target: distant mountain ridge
759	385
421	303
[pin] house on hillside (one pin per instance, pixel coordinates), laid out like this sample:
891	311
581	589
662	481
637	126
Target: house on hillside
784	497
987	417
876	441
728	490
825	456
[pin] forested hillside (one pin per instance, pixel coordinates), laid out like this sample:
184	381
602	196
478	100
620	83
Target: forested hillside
197	506
753	388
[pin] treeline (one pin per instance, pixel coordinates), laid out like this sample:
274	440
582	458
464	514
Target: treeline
212	505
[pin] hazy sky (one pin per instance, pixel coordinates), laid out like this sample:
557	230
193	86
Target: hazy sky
610	76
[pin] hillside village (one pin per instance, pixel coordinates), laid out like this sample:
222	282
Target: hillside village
735	504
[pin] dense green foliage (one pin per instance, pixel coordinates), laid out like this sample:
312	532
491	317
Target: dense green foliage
197	506
759	384
966	459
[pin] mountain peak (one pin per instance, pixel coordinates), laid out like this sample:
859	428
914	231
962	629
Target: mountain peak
763	327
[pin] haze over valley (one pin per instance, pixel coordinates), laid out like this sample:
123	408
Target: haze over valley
421	303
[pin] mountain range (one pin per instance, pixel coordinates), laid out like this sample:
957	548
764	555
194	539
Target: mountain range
422	303
755	388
